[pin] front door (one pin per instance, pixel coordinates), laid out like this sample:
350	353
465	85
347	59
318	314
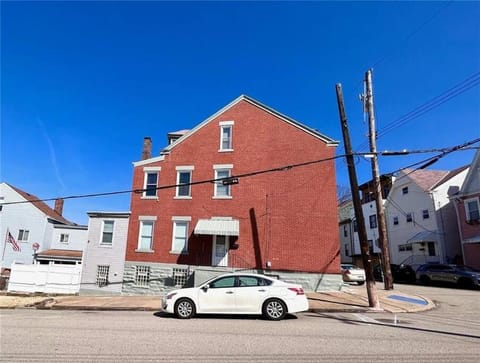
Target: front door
220	251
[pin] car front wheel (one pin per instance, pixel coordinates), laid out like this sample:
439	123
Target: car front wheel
184	309
274	309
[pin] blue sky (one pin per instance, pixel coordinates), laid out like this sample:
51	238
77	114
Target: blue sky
83	82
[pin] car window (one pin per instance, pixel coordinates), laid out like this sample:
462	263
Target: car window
223	282
245	281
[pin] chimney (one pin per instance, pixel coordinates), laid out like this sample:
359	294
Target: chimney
147	148
59	206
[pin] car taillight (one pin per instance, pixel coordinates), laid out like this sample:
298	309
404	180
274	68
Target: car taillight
297	290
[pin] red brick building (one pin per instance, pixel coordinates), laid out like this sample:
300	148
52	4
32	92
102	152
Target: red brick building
189	211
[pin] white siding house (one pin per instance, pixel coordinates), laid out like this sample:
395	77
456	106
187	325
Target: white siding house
104	255
29	222
421	220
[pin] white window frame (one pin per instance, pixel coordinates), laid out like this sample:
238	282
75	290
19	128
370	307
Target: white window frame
148	170
408	216
184	169
467	209
405	190
218	169
180	221
102	236
226	125
64	238
395	221
145	220
425	214
23	235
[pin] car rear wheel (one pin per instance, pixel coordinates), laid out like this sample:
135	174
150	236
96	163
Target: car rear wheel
184	309
465	283
274	309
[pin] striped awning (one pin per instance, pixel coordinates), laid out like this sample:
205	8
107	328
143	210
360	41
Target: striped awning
219	227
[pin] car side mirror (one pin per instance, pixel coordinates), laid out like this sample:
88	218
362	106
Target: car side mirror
205	288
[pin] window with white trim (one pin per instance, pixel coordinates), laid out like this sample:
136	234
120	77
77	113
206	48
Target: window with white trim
150	182
409	217
425	214
405	190
472	209
226	129
180	237
102	275
145	238
373	221
142	276
107	233
184	178
395	220
405	247
221	190
63	237
23	235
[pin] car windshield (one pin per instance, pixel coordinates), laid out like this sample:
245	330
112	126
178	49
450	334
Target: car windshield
350	267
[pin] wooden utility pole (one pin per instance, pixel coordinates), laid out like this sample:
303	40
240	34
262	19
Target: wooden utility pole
373	300
382	228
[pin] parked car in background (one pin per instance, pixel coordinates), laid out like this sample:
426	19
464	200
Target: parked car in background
463	276
400	273
238	293
352	273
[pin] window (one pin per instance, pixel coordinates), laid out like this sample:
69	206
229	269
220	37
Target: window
145	239
395	221
223	282
345	231
180	276
102	275
107	234
151	185
405	190
405	247
431	249
184	178
425	214
409	217
347	252
373	221
23	235
142	276
226	128
63	238
221	190
472	209
370	245
180	237
355	226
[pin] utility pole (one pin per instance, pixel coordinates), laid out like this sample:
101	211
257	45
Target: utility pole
382	228
373	300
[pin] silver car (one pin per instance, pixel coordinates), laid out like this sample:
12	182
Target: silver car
463	276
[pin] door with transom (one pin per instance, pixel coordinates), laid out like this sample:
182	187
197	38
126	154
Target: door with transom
220	250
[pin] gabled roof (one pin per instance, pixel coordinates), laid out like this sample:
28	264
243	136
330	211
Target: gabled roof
473	176
310	131
43	207
428	180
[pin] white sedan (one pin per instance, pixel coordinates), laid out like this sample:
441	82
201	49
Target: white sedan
237	293
352	273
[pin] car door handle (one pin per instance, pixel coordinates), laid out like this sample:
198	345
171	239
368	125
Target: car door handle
229	292
262	290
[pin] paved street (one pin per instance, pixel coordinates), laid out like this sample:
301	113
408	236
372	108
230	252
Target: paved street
449	333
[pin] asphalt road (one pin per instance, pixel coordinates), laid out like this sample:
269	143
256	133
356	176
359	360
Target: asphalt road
450	333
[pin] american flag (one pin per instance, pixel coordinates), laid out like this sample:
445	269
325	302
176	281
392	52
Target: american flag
14	243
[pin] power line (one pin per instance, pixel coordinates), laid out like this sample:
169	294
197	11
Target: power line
444	151
431	104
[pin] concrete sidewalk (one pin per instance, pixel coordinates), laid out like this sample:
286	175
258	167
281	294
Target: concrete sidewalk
348	300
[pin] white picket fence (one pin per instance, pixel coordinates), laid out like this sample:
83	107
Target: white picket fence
51	278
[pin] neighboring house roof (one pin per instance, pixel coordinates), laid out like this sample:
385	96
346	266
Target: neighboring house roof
472	180
54	254
313	132
43	207
428	180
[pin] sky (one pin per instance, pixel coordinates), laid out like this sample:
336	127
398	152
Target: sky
82	83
